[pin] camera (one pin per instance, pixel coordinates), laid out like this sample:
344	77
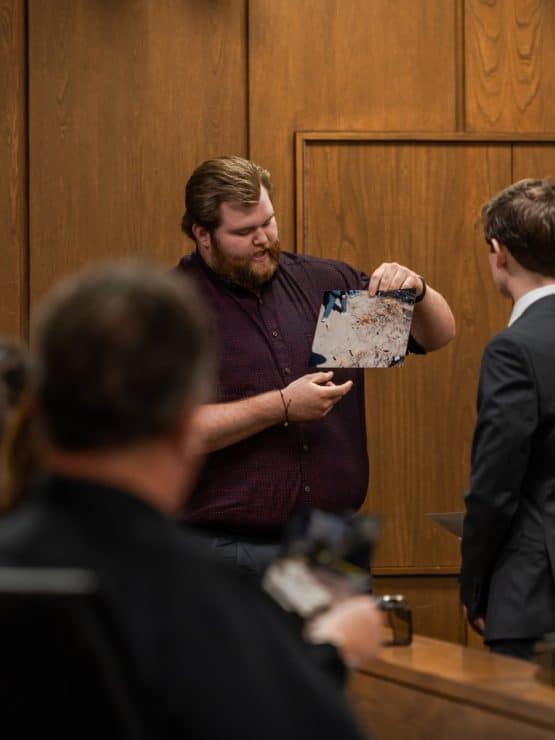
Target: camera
324	559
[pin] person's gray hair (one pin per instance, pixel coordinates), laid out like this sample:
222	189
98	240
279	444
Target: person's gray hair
120	349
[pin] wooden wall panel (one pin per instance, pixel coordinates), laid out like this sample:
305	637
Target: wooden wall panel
533	160
126	98
13	163
345	65
417	203
435	604
510	65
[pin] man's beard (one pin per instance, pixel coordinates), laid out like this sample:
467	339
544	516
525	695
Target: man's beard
241	270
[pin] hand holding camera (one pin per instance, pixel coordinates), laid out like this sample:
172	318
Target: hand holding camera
316	578
354	626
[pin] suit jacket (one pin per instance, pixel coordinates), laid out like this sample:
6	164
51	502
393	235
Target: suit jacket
213	656
508	546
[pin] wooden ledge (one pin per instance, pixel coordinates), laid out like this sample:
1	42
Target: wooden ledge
464	675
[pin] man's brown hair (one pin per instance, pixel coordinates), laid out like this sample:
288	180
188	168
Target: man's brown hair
120	351
522	218
221	180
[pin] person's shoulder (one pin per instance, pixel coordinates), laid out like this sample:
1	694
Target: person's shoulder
525	332
190	265
528	344
322	267
303	261
29	529
536	321
507	353
15	526
504	341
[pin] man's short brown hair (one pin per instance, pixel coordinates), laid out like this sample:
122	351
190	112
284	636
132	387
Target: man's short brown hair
221	180
522	218
120	351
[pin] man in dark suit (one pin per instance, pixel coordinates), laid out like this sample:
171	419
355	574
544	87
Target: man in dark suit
123	360
508	545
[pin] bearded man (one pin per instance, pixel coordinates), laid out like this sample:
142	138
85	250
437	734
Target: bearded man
280	438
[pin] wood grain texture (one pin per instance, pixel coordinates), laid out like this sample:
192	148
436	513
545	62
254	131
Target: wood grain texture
391	710
510	65
434	601
127	98
345	65
533	160
13	174
416	203
457	691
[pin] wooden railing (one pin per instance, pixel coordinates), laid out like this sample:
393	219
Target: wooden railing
435	689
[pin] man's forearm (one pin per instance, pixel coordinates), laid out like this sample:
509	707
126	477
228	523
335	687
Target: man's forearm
433	323
224	424
307	398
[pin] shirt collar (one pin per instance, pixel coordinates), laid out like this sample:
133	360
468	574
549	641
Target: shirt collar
526	300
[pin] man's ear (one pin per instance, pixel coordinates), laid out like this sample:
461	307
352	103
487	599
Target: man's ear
501	253
202	236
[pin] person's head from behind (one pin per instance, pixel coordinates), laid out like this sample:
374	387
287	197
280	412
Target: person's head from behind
123	358
230	216
519	223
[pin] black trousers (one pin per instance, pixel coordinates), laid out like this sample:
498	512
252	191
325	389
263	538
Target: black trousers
523	649
251	555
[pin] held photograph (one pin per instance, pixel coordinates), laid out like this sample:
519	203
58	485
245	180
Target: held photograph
358	330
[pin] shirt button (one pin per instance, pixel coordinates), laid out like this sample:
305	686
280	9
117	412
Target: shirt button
305	448
275	333
287	370
307	489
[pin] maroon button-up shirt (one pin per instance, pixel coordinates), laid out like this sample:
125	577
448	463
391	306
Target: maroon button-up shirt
253	486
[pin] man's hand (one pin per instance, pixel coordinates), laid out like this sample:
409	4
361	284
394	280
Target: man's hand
391	276
478	624
354	626
433	323
312	396
308	398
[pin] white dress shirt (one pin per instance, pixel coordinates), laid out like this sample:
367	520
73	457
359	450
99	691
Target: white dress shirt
526	300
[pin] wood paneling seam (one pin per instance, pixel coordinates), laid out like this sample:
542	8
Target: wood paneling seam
460	77
25	262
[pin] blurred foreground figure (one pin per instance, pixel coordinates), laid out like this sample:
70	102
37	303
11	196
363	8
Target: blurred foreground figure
123	358
16	454
508	546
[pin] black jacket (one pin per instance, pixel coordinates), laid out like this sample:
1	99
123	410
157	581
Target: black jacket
213	656
508	546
